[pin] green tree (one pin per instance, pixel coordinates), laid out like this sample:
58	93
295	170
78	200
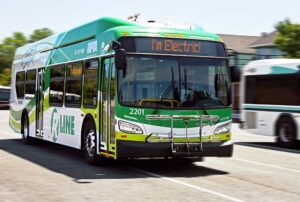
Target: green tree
7	51
18	39
39	34
5	77
8	47
288	38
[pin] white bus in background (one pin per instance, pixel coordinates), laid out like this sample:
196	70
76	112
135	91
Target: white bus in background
270	99
4	97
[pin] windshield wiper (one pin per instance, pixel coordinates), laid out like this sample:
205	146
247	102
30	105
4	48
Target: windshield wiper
185	86
167	91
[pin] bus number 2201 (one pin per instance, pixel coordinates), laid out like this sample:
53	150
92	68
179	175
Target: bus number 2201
137	112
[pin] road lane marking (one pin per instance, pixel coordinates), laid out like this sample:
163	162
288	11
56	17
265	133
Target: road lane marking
188	185
266	165
272	148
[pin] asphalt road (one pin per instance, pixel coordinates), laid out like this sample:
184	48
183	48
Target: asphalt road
258	171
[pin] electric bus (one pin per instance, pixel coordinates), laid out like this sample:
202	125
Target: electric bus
121	89
271	99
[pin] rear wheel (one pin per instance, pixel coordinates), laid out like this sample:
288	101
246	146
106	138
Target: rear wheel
286	132
25	131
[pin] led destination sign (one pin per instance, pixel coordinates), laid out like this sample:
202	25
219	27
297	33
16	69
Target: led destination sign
170	45
173	46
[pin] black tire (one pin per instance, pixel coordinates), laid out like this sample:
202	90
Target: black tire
286	132
25	131
90	144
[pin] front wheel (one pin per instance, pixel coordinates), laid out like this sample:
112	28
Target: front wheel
90	143
286	132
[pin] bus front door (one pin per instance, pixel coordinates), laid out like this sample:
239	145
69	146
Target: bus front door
108	105
39	103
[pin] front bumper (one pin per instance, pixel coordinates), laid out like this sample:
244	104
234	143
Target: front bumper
132	149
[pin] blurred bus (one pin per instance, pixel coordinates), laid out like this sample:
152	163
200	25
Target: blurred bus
270	99
4	97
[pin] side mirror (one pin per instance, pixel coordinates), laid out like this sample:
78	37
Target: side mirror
120	59
235	73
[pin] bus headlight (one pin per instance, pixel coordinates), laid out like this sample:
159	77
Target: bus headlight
129	128
225	128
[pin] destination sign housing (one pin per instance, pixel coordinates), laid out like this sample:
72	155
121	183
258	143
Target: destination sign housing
173	46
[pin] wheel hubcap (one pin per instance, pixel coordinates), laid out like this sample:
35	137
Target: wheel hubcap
91	143
286	133
25	131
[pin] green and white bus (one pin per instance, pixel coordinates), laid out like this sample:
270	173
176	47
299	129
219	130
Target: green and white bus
122	89
270	99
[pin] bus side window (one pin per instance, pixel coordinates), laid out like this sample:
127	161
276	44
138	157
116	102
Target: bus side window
90	84
73	84
264	89
30	84
20	81
57	74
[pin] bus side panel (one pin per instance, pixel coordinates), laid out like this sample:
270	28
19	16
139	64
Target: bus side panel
16	106
63	126
260	122
15	116
31	112
266	121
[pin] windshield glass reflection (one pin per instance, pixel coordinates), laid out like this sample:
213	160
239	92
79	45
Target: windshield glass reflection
174	82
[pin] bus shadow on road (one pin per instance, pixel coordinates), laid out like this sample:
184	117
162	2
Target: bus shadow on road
171	168
71	162
269	146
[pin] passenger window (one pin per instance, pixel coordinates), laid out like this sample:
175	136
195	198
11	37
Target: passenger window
273	89
57	74
20	81
90	84
73	84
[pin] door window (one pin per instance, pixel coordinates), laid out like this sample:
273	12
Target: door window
20	81
30	84
112	103
90	85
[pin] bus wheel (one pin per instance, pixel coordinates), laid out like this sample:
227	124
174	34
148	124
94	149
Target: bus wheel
90	143
25	132
286	132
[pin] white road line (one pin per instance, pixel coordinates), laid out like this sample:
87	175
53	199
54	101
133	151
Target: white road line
188	185
273	149
266	165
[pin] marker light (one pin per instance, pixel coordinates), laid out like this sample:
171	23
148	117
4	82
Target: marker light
129	128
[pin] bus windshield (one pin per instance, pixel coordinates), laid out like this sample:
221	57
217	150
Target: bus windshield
174	82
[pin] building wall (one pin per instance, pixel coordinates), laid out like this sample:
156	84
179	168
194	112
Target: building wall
268	53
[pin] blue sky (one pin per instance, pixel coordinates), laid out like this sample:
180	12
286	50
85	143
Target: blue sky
250	17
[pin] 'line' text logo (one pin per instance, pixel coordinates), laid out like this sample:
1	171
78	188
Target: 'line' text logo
61	124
